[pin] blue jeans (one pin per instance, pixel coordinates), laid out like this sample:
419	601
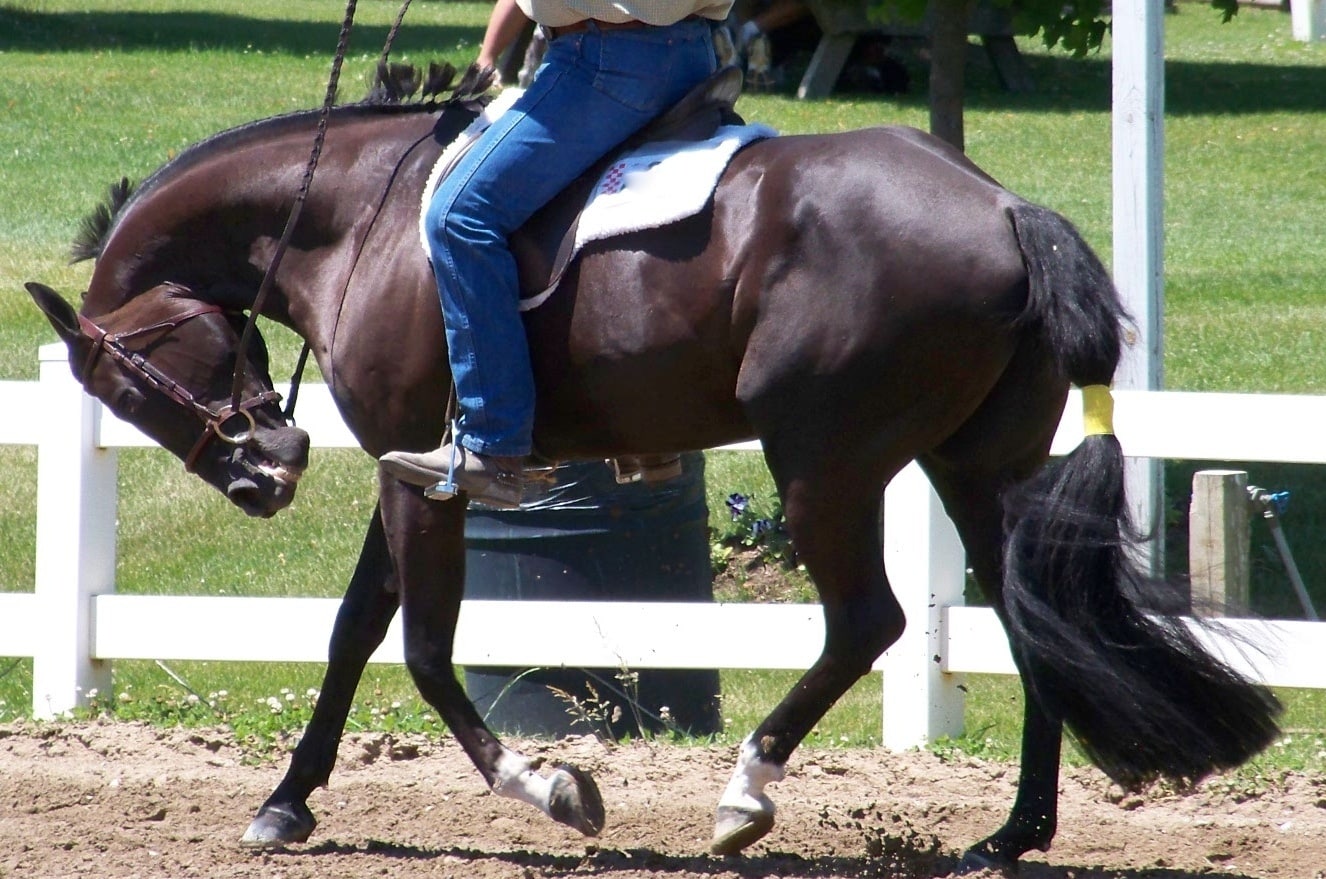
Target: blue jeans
594	89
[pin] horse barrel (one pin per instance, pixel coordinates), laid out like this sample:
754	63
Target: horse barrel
592	539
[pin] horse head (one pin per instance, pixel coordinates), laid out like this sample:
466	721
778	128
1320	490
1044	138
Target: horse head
164	362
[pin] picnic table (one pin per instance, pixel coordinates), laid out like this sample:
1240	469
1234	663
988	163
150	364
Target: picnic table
844	21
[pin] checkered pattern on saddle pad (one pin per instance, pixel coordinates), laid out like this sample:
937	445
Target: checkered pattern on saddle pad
660	183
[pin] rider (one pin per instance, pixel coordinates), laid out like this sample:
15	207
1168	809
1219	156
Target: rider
611	66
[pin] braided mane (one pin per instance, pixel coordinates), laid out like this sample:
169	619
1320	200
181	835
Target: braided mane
393	91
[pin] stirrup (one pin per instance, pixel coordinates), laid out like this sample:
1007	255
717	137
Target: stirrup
447	488
650	469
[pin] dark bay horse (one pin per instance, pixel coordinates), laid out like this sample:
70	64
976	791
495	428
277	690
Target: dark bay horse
855	301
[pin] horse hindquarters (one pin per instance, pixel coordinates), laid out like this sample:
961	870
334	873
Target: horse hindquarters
1101	646
1054	555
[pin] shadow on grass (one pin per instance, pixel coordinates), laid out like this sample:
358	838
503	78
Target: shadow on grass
1065	84
1062	83
56	32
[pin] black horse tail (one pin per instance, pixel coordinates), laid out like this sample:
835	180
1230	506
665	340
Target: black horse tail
1105	648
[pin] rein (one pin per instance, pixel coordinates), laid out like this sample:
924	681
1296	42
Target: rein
214	418
241	362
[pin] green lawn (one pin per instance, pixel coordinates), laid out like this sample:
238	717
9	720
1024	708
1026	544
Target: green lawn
96	90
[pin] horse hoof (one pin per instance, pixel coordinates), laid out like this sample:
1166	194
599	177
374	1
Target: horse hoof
575	800
974	861
276	826
735	828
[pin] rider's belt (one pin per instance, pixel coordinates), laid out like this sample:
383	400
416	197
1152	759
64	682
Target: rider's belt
583	25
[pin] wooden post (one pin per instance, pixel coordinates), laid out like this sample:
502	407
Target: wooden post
948	69
1219	540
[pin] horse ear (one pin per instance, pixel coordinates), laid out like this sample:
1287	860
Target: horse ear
60	313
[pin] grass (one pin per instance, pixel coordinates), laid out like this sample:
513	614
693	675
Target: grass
95	91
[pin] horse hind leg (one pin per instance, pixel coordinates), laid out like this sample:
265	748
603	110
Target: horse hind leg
971	499
834	523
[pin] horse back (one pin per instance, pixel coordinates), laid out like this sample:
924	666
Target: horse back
856	251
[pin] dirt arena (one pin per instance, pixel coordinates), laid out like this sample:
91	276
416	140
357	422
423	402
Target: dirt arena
121	800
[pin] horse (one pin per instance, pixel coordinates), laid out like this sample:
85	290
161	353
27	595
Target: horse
855	301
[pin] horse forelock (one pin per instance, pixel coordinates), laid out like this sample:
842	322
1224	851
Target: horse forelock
472	89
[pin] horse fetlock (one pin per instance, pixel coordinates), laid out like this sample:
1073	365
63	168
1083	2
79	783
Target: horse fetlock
574	800
276	826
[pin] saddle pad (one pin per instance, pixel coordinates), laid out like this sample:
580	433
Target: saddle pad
660	183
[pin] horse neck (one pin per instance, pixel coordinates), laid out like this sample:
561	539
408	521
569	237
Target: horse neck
211	219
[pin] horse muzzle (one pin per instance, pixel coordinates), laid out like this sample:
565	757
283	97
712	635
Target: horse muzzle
261	475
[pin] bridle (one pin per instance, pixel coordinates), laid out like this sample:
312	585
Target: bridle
214	418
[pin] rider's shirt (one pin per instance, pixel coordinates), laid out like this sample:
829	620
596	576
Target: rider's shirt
560	13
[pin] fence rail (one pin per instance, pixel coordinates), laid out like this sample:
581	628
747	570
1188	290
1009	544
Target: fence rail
74	625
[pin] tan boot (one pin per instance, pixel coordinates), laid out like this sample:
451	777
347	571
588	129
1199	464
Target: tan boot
491	480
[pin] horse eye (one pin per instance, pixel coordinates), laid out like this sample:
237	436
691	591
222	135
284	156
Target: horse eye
126	401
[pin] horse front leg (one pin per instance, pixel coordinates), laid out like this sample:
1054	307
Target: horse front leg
366	611
428	545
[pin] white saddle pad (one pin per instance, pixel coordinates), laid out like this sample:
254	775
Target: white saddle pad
661	183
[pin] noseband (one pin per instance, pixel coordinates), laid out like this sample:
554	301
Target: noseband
214	418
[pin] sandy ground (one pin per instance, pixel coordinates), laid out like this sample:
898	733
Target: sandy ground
122	800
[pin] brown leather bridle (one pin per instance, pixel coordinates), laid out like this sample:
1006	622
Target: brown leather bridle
214	418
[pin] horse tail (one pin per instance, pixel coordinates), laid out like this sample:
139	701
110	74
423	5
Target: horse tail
1105	648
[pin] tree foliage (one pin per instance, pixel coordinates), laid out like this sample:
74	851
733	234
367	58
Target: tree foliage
1077	26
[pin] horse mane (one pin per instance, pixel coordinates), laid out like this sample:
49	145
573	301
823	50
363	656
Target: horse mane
393	89
397	83
93	228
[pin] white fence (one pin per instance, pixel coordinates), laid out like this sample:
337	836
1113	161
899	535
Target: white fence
74	625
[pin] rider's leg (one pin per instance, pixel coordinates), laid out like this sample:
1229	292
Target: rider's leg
595	89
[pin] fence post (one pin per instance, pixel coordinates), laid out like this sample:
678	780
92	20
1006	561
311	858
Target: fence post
1308	20
76	505
1219	535
927	568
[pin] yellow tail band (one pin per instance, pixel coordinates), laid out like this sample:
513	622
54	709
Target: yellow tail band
1097	411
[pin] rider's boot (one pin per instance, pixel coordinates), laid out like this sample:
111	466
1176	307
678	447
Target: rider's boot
492	480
